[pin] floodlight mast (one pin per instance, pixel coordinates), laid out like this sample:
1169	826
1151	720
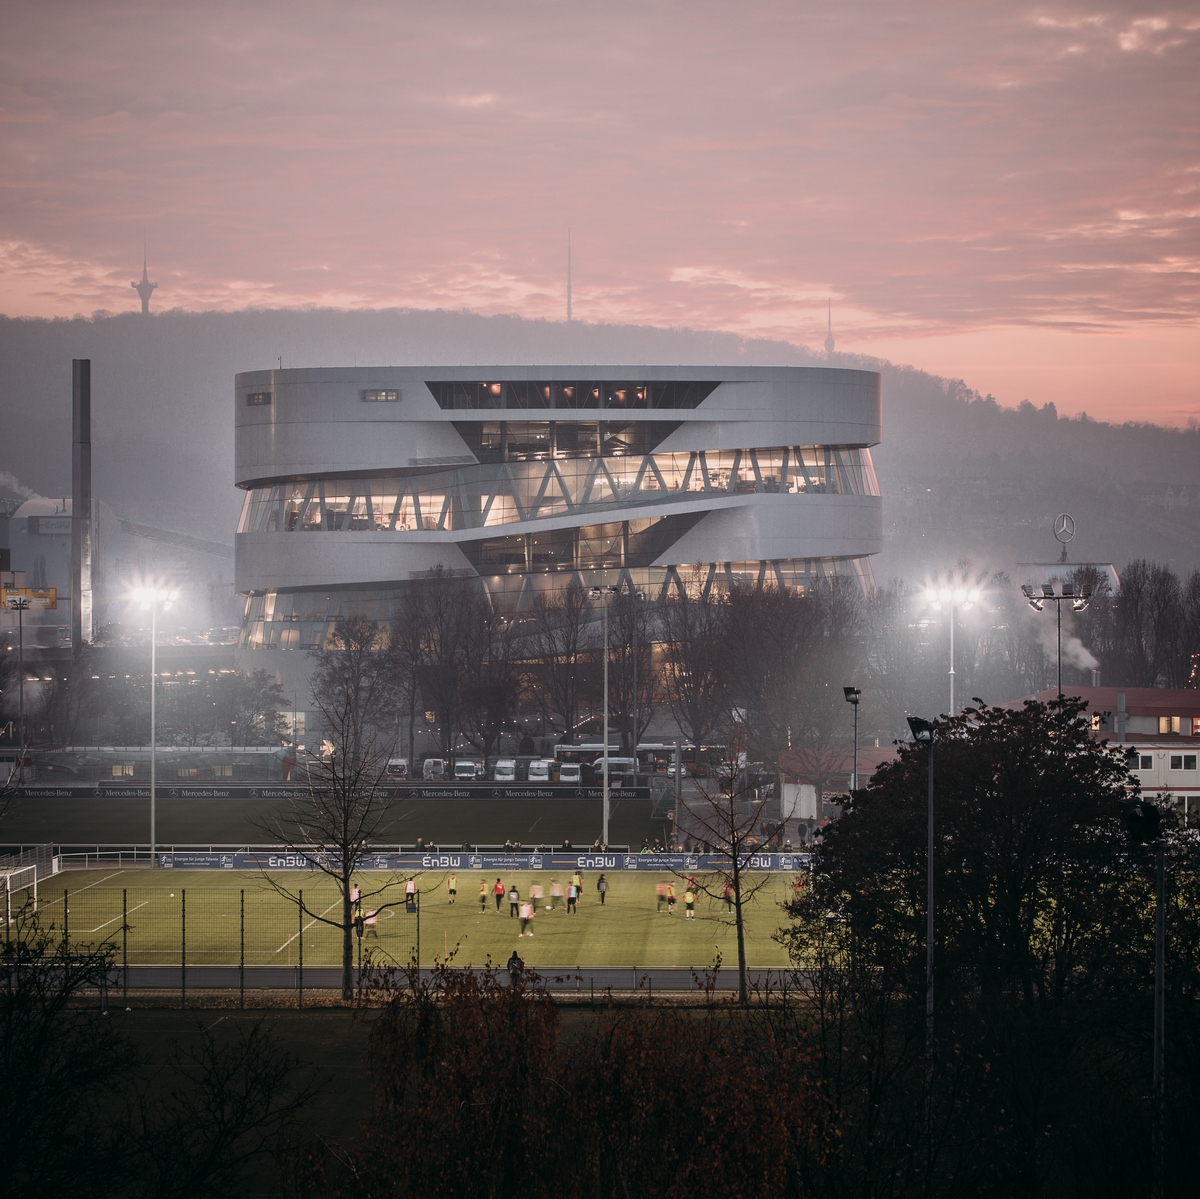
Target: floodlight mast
1079	597
603	593
153	598
953	597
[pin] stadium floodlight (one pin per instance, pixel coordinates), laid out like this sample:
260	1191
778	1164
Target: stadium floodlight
151	597
957	596
1078	595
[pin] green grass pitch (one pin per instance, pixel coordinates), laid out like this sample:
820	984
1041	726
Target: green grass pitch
626	932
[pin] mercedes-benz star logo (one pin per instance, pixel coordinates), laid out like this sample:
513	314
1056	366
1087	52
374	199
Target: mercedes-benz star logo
1064	527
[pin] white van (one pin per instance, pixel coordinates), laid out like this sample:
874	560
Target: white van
435	768
539	771
464	769
506	770
569	772
397	768
617	767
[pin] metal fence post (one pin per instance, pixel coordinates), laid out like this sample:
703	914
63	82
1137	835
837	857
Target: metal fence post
300	954
242	951
66	913
125	947
183	949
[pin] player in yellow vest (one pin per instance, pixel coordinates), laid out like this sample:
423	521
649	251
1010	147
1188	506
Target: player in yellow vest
689	903
452	887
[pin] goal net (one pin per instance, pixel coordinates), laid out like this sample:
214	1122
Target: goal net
19	886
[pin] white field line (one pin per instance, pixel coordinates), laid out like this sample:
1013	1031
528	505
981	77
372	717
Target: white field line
116	918
49	903
308	926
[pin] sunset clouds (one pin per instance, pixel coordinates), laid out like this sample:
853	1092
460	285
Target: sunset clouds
1004	193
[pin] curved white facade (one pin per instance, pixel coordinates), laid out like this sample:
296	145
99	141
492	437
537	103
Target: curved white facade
359	480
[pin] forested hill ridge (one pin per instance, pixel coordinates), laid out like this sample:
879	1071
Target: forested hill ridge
962	476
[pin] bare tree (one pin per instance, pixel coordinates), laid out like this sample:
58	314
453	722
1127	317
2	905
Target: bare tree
342	805
723	814
560	646
491	684
450	607
693	631
821	732
632	677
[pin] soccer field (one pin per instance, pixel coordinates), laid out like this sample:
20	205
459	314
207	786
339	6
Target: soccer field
203	909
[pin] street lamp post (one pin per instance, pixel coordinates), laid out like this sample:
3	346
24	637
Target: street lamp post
952	597
21	604
1079	597
153	598
603	593
923	730
852	697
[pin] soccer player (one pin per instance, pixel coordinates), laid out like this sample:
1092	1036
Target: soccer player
572	896
602	887
498	892
527	911
555	894
514	898
670	899
660	889
452	887
689	903
482	895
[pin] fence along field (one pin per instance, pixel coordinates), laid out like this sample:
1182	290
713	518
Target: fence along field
210	917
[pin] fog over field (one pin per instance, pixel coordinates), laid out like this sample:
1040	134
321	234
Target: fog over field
961	476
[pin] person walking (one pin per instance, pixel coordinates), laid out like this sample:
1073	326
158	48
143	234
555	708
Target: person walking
498	892
670	899
452	887
514	899
482	895
572	896
355	893
602	887
660	889
371	924
515	966
689	904
556	893
536	893
727	896
527	911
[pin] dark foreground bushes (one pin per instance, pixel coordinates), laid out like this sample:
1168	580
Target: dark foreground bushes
480	1091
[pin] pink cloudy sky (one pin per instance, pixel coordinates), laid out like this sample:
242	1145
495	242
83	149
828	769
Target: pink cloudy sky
1001	192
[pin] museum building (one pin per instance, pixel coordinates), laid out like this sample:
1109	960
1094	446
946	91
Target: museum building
360	480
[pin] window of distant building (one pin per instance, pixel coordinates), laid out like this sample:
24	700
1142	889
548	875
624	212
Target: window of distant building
1168	724
123	770
1196	726
1145	762
387	395
257	399
1183	761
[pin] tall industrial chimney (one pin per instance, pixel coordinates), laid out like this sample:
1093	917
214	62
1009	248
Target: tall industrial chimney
81	504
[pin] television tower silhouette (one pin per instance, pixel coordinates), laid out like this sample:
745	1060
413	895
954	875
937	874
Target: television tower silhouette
829	342
144	287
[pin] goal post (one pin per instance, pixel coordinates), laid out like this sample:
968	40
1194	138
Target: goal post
13	882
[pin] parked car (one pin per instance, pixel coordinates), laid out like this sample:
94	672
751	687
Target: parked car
397	768
506	770
434	768
570	772
539	771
